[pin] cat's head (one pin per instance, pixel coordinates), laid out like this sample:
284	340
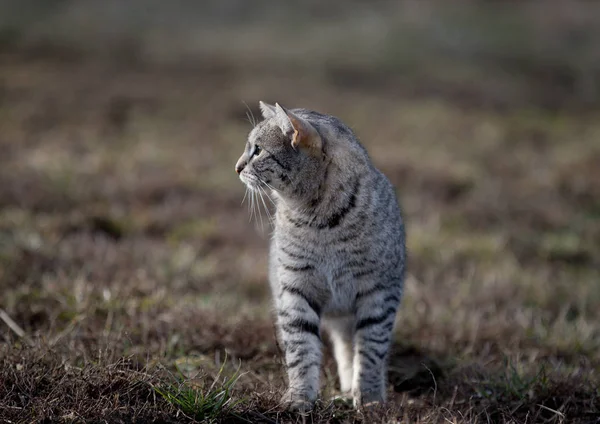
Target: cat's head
283	152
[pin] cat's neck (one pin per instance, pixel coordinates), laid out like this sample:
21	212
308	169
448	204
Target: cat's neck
332	189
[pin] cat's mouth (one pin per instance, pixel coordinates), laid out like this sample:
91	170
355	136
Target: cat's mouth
250	181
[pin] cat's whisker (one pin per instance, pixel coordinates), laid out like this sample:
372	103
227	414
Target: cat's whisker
270	198
255	206
250	115
245	194
251	205
269	216
249	119
270	186
265	192
262	224
255	211
264	182
249	210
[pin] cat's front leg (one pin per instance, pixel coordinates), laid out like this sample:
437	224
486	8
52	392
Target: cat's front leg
299	318
341	333
375	316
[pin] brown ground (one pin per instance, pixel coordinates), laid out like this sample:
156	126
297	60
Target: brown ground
130	265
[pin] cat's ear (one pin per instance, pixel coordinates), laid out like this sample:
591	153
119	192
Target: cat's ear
302	132
267	110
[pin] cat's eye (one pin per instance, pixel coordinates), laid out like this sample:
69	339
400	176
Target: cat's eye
255	151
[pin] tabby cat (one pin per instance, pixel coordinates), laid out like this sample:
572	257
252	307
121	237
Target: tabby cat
337	255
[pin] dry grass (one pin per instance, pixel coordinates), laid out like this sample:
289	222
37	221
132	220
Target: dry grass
124	249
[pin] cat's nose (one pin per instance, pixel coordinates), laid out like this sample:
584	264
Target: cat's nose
240	164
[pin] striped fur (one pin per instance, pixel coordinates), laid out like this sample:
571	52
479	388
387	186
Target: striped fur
337	255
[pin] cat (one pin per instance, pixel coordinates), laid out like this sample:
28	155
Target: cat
337	254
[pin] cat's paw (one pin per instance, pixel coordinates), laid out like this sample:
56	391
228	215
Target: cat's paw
343	399
298	402
367	400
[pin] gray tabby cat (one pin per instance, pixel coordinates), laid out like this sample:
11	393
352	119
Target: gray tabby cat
337	255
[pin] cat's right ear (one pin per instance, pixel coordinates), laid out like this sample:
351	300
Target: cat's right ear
302	133
267	110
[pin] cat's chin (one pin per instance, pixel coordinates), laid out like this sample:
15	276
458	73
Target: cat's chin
250	182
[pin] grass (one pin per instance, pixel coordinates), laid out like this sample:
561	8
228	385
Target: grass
129	270
202	404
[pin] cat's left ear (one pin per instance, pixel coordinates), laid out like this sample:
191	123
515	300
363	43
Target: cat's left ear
303	134
267	110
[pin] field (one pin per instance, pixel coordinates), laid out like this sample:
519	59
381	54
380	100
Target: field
135	285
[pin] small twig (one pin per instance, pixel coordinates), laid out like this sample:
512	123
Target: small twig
434	382
259	417
453	397
558	413
67	329
14	326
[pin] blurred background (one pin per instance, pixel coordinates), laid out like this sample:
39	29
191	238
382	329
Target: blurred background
125	251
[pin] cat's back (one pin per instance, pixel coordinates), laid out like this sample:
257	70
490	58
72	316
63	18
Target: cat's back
354	235
358	206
